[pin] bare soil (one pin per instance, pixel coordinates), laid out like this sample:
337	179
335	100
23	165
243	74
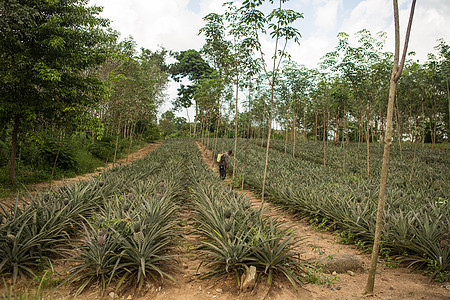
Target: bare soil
391	283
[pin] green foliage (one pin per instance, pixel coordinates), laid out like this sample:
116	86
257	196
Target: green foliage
416	218
64	156
151	133
128	240
189	65
238	236
43	48
314	274
77	155
102	149
4	153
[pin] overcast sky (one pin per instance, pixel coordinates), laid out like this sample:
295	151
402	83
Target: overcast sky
174	24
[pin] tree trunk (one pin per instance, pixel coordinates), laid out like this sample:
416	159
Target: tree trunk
217	128
14	134
225	136
235	128
423	124
248	133
328	125
324	143
117	139
202	129
294	121
368	142
189	121
431	130
381	131
414	162
398	130
20	155
268	139
315	126
396	73
208	124
57	154
131	140
195	121
448	97
336	133
343	138
305	134
434	124
263	123
287	129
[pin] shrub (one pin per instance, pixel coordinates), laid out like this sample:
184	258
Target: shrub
66	156
4	153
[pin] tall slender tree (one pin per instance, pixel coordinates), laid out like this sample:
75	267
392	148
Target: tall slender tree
396	73
278	24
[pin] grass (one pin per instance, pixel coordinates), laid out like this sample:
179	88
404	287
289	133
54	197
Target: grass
39	291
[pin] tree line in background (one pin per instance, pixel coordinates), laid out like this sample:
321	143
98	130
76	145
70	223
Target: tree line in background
344	99
71	94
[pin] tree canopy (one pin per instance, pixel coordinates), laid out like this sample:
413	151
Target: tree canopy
47	52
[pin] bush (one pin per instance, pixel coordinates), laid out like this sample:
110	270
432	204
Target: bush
151	133
102	149
4	153
66	157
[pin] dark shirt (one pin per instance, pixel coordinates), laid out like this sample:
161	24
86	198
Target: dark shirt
224	161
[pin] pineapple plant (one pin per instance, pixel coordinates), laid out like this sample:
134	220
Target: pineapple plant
138	235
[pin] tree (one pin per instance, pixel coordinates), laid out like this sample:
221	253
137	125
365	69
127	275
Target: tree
362	67
278	24
233	57
444	71
192	66
47	49
396	73
166	123
299	81
136	85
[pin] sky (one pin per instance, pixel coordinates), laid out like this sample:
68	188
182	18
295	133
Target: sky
174	25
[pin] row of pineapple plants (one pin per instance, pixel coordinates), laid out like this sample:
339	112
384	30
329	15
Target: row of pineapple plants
415	167
237	235
116	227
416	221
33	234
131	238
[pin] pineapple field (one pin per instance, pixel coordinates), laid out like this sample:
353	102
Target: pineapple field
167	226
344	197
335	147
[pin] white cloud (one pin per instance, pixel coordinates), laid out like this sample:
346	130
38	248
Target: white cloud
326	15
167	23
429	24
374	15
311	50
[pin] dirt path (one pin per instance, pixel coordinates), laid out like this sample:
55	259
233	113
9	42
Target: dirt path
141	153
45	186
391	283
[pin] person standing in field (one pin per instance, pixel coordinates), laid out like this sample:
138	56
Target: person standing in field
223	164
